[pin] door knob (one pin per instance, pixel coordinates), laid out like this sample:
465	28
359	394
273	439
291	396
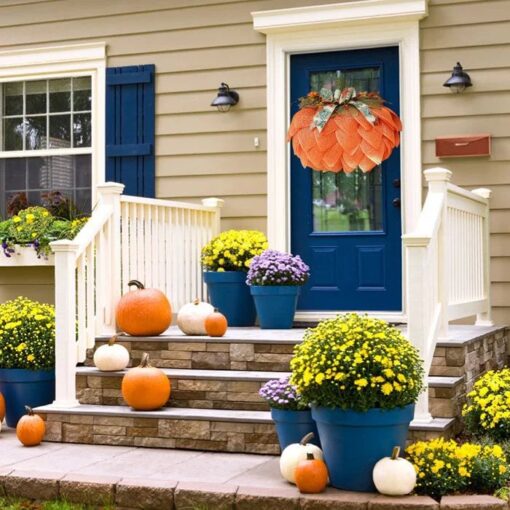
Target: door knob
396	202
396	183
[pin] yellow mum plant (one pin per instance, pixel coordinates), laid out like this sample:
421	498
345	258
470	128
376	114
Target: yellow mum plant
233	250
445	467
27	334
355	362
487	410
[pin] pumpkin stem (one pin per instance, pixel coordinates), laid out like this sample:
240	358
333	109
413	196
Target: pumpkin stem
137	284
307	438
309	456
29	411
216	310
196	301
113	339
395	453
144	363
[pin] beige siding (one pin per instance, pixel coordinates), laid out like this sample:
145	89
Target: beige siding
476	34
196	44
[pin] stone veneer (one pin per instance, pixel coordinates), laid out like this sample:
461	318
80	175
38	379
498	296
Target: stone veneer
210	355
227	436
196	393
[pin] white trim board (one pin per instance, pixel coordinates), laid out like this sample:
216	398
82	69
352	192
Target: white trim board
344	26
67	60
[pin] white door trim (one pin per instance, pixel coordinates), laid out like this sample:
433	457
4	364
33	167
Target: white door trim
351	25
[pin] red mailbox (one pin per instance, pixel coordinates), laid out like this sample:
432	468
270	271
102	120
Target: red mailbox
463	146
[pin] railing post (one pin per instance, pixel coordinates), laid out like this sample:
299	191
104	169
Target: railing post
485	318
109	194
65	323
217	203
438	179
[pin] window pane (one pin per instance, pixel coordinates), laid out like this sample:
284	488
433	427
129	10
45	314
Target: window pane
62	171
82	130
13	98
60	131
15	174
82	94
38	173
36	96
35	132
60	95
83	200
13	134
83	166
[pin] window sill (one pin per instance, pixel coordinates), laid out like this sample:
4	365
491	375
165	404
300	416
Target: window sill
26	256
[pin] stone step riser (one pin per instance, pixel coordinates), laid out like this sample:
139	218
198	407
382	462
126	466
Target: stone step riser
211	435
269	357
186	393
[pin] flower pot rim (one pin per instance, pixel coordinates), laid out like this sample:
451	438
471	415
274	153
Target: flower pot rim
261	290
26	374
373	417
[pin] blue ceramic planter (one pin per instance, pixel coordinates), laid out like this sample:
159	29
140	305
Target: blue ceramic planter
292	426
22	388
276	305
229	293
353	442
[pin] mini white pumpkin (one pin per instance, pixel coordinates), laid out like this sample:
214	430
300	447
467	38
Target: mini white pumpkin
394	476
295	453
191	317
111	356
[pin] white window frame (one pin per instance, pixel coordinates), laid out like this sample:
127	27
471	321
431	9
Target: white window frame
68	61
343	26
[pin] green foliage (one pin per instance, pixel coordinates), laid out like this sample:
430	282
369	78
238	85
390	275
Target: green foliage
359	363
445	467
487	411
27	334
19	504
36	227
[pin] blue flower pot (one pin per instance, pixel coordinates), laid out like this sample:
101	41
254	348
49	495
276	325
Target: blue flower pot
354	441
292	426
21	387
229	293
276	305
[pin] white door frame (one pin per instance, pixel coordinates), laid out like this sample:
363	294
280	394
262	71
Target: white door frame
342	26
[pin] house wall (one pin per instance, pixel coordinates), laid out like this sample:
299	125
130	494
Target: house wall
196	44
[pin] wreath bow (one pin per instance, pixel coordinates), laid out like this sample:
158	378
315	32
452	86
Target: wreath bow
336	100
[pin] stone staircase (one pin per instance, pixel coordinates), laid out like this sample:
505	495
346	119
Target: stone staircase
214	403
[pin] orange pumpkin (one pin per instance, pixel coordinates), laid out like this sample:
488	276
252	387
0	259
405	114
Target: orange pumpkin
143	312
347	141
311	475
145	388
2	408
216	324
30	429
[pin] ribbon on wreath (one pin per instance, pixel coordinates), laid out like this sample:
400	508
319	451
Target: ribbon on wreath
336	100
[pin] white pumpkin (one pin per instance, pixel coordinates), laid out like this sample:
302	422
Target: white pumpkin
111	356
394	476
191	317
295	453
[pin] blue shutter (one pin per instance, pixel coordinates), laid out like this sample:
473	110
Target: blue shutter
130	118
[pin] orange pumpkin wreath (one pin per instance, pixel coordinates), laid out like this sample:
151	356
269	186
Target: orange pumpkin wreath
344	131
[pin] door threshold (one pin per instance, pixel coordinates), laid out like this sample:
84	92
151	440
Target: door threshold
313	316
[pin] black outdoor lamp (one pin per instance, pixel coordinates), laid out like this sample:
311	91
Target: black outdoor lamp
459	80
225	98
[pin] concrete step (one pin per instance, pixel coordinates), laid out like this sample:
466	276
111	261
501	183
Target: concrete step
203	389
240	349
190	429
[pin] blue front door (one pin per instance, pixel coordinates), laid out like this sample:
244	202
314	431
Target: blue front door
347	227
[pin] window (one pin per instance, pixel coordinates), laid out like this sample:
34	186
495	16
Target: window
46	143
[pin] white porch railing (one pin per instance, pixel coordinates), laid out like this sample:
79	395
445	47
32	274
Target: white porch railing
447	266
155	241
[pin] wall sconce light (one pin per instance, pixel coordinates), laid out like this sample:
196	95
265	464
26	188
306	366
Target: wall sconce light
225	98
459	80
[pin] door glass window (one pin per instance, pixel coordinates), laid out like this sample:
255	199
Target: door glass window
347	202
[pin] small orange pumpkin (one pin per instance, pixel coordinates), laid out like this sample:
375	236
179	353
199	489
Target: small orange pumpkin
2	408
311	475
31	428
143	312
145	388
216	324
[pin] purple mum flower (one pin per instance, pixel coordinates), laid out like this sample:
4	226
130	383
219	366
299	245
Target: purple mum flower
273	267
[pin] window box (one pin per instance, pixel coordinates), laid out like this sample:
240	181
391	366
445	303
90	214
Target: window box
26	256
